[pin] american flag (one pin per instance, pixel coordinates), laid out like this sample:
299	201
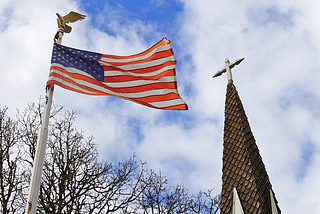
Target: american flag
148	78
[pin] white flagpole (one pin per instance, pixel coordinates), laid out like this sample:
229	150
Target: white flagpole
34	188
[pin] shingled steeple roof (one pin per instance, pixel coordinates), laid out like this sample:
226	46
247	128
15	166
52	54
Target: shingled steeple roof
243	170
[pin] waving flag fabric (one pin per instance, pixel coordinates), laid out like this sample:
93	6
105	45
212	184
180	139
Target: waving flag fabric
148	78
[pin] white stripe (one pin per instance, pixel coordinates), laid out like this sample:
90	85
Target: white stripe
71	70
167	103
142	94
139	82
159	49
112	73
142	65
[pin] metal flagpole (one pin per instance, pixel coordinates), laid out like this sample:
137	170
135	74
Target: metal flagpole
34	188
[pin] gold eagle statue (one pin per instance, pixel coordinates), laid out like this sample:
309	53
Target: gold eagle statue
71	17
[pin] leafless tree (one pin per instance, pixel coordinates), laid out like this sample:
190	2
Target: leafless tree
12	180
205	202
159	197
75	181
29	122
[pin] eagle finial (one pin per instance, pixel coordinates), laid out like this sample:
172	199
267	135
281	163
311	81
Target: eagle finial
71	17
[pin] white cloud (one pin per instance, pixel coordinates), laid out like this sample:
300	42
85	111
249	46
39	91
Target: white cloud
277	83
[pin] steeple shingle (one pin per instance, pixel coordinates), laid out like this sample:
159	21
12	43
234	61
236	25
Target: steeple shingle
243	168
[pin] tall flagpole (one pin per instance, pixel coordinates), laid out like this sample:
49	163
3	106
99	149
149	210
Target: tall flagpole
34	188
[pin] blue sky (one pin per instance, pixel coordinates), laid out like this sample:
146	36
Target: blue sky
277	83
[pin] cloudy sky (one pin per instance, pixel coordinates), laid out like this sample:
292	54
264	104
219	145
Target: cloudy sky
277	83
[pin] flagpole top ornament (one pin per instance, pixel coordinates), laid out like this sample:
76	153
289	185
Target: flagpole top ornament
228	68
62	24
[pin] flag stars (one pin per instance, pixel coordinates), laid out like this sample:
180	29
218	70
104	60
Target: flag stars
81	60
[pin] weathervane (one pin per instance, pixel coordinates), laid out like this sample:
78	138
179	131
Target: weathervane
228	68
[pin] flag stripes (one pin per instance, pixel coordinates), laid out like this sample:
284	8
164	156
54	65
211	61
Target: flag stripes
147	78
160	46
153	73
163	51
94	87
140	68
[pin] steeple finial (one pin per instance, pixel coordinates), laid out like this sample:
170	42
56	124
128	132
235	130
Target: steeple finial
228	68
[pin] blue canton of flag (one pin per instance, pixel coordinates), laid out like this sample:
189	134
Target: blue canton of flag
83	60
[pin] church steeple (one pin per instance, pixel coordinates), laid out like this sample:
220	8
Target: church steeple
246	187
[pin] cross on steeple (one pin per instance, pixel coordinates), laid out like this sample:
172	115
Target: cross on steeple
228	68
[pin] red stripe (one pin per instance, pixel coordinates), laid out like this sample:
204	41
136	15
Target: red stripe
158	98
178	107
125	78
